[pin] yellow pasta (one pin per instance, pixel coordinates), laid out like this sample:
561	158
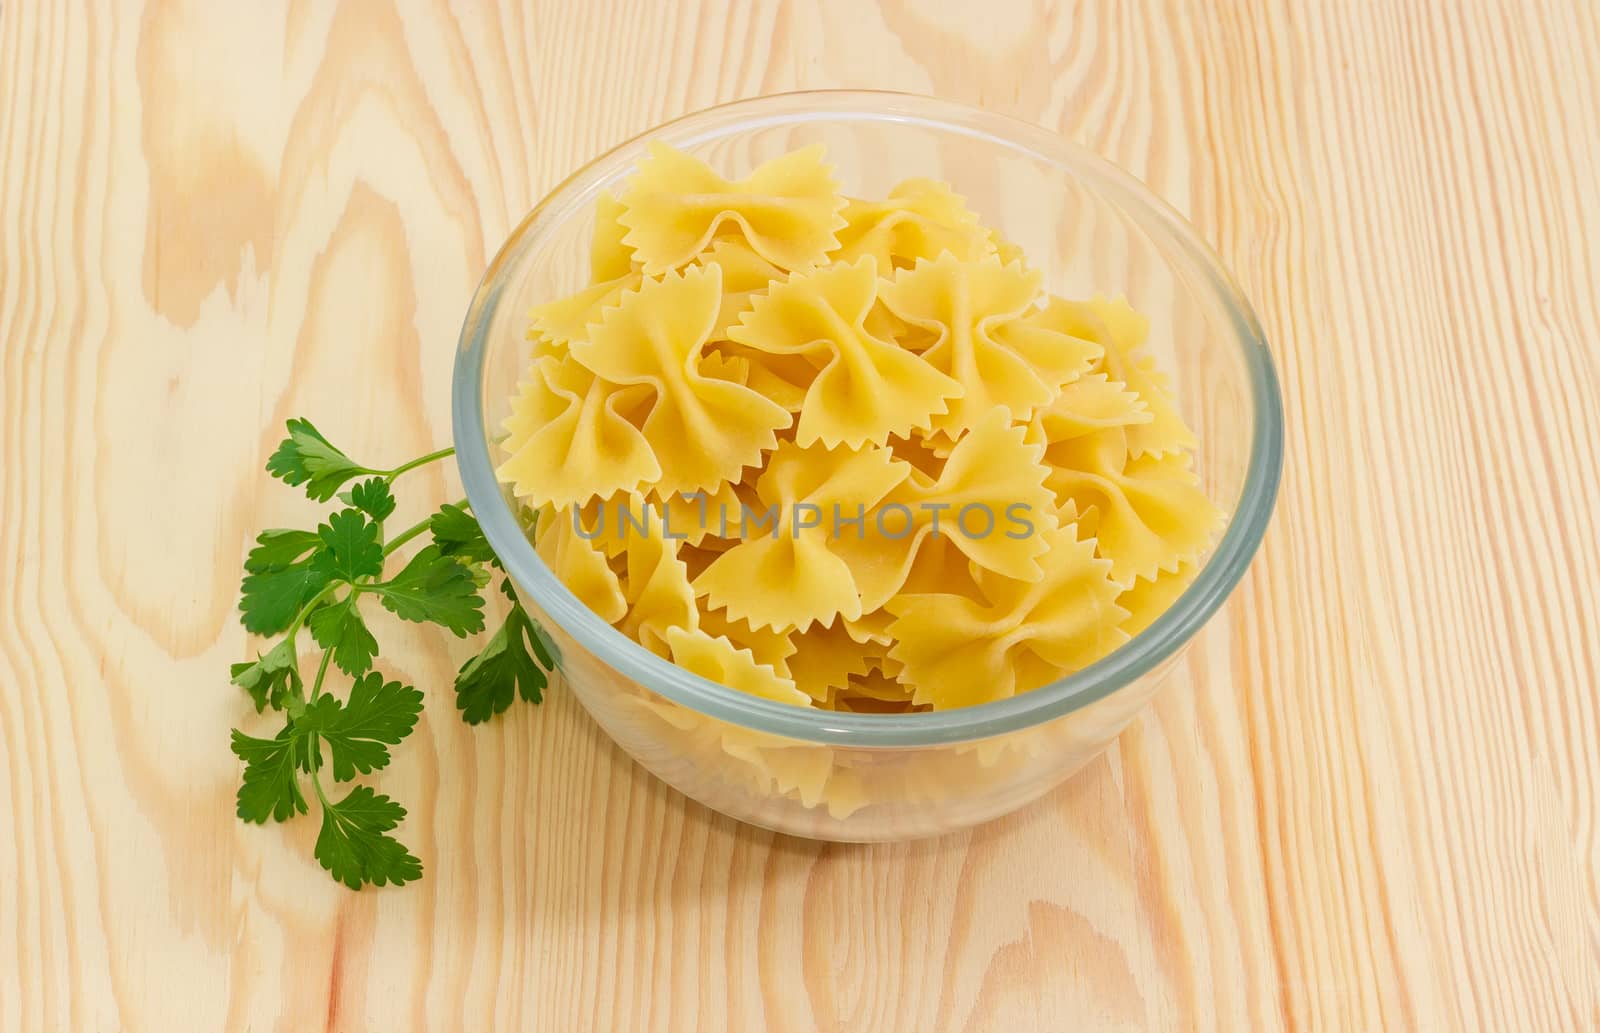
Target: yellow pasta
847	453
993	471
568	319
959	650
921	218
721	661
695	516
817	584
655	586
1121	332
703	430
971	307
865	388
570	438
1147	599
579	565
787	210
1151	513
874	691
609	257
773	648
745	277
826	657
1090	403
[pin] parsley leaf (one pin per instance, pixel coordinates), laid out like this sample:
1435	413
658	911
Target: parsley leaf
350	548
358	732
339	626
485	683
434	587
306	457
352	845
269	678
269	600
373	497
456	532
271	785
285	571
278	549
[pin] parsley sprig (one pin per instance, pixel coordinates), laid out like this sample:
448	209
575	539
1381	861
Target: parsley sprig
312	583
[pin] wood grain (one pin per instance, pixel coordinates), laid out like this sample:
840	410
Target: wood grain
1368	802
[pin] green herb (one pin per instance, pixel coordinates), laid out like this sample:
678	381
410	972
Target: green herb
516	657
314	581
306	457
435	587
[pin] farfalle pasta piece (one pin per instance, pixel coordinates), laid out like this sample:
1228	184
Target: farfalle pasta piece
611	271
719	660
994	472
787	209
771	765
543	346
794	577
920	453
921	218
888	666
571	439
1145	599
959	651
941	568
568	319
531	407
989	501
769	647
613	523
872	626
1122	332
804	771
1045	339
784	379
825	656
865	388
1008	252
874	692
1090	403
696	558
745	275
703	430
1151	514
969	306
655	586
579	565
609	257
735	368
692	517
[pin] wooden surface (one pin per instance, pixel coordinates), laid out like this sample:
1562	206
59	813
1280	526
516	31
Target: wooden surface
1368	802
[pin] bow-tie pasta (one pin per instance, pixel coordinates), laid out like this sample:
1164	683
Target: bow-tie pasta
787	210
981	316
847	453
864	388
704	430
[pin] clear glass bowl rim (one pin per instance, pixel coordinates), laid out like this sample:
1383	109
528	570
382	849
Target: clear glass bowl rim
1215	581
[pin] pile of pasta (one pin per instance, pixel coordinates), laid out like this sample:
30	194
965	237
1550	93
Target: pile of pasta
769	344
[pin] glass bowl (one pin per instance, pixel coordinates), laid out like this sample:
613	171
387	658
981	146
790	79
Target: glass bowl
1089	228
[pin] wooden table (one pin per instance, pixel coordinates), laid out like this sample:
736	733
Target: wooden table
1368	802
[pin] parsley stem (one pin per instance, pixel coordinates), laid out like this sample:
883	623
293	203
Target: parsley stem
419	461
322	672
305	611
411	532
316	781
